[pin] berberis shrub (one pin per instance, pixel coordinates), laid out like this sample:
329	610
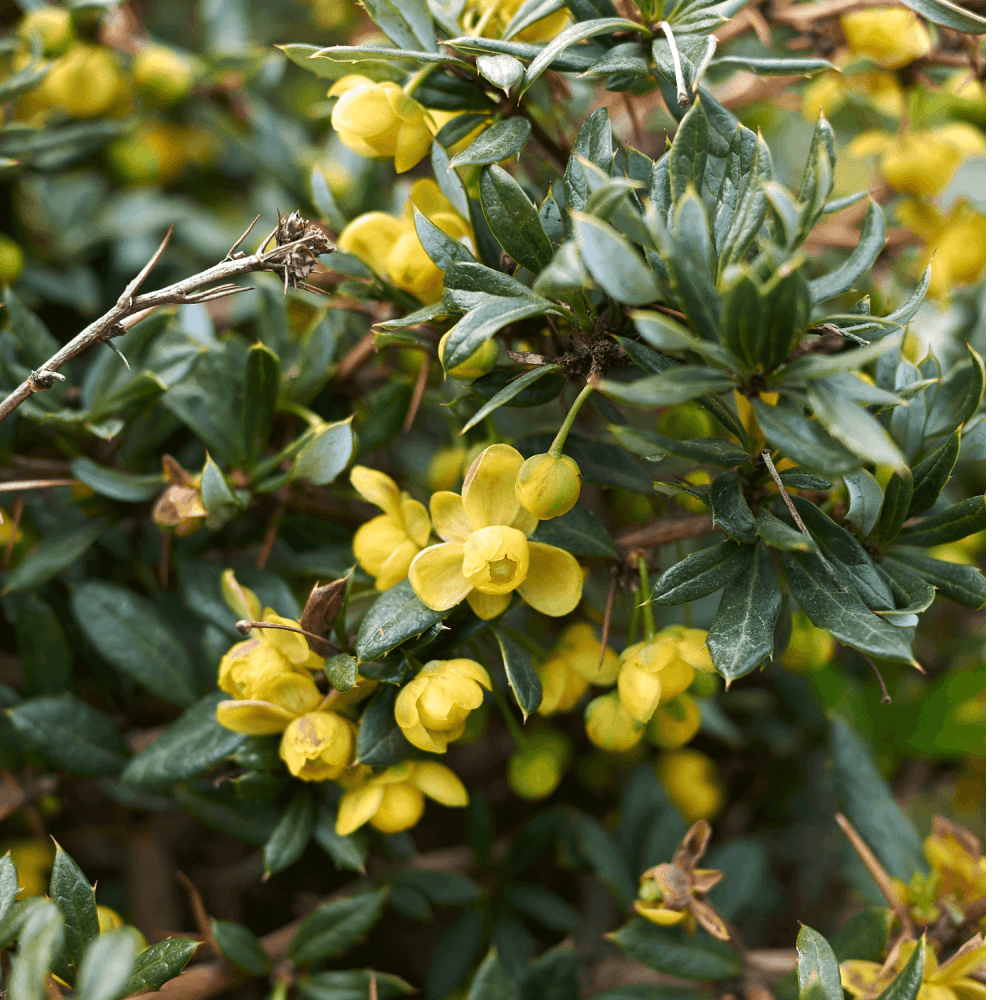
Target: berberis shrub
561	474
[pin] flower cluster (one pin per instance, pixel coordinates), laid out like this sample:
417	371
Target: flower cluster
489	19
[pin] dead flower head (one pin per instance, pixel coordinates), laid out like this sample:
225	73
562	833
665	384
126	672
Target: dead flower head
305	241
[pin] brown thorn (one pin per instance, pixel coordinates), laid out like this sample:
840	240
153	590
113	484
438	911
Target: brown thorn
201	916
418	394
372	986
246	233
878	873
133	286
608	607
886	697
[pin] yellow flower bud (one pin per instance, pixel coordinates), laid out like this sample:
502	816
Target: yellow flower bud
548	485
318	746
84	83
33	861
500	15
692	783
562	686
371	237
482	360
11	260
410	268
675	723
652	673
378	120
108	919
432	709
535	769
445	469
809	647
609	726
892	36
52	24
163	73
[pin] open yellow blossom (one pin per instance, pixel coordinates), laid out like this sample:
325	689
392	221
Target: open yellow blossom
692	783
654	672
609	726
386	545
950	981
394	800
502	13
486	555
892	36
955	244
277	704
675	723
318	746
922	162
432	709
379	121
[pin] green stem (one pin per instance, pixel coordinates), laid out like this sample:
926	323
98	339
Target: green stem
633	623
418	78
648	625
560	439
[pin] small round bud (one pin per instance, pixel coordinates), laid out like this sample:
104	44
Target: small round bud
162	73
481	361
548	486
11	260
52	25
692	783
535	770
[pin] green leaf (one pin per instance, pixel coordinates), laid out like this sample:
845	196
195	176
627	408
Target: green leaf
613	262
911	593
216	496
500	141
817	968
130	634
437	244
931	475
578	531
289	838
46	660
742	633
669	388
512	385
730	509
53	554
32	335
491	982
544	906
71	733
374	53
239	944
159	963
397	615
38	947
779	67
351	984
786	304
486	319
114	484
8	885
521	674
965	585
702	573
513	219
743	321
841	611
502	71
717	451
348	852
898	494
803	440
663	949
780	536
593	144
742	205
949	15
860	262
333	928
551	976
341	671
380	741
689	152
601	852
950	525
866	500
977	387
327	455
907	985
575	33
407	22
817	179
262	379
865	936
854	427
868	803
108	963
811	367
645	991
74	895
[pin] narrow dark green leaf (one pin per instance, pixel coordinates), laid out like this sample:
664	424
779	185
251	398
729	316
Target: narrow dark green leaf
500	141
786	304
965	585
239	944
601	852
907	985
613	262
8	885
491	982
38	947
552	976
702	573
513	219
865	936
348	852
743	321
513	385
74	895
689	152
131	635
817	969
730	509
159	963
327	454
380	741
438	245
262	379
780	67
54	553
854	426
949	15
289	838
895	508
33	337
114	484
486	319
866	500
521	674
977	387
716	451
860	262
579	532
803	440
46	660
742	634
931	475
817	179
407	22
669	388
950	525
663	949
107	965
593	144
333	928
216	496
742	204
781	536
397	615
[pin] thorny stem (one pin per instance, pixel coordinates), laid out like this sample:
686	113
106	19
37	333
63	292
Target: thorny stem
555	449
648	625
244	627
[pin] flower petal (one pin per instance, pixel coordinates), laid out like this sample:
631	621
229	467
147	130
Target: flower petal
376	540
431	740
488	491
292	645
357	807
859	977
377	488
659	916
396	566
474	671
417	521
639	693
555	580
440	783
405	708
448	515
255	718
436	576
488	606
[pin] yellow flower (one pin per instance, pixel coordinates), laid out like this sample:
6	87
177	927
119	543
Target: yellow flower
562	686
84	83
52	24
394	800
609	726
892	36
33	861
957	860
500	15
378	120
675	723
922	162
548	485
955	244
535	769
318	746
163	73
950	981
276	704
579	644
697	478
652	673
809	647
481	361
829	92
386	545
432	709
108	919
692	783
486	554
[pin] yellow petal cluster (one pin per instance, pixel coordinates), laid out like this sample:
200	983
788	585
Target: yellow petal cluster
960	873
486	555
574	664
390	246
387	544
379	121
502	13
652	673
675	723
892	36
950	981
610	725
394	800
432	708
318	746
84	83
691	781
954	244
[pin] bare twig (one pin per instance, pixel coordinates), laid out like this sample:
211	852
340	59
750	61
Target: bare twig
201	917
243	626
15	486
418	395
665	530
